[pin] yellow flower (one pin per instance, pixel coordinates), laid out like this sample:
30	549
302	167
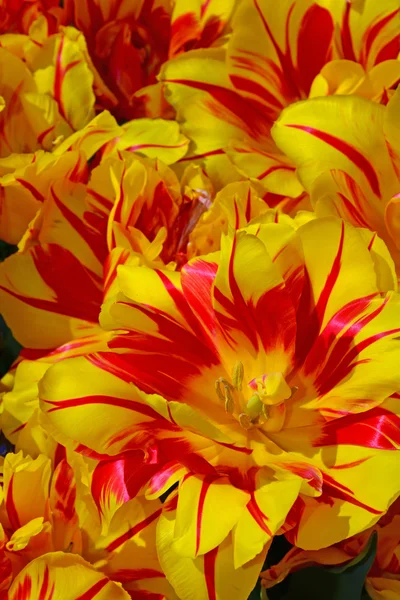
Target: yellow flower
128	42
81	508
263	378
278	53
46	89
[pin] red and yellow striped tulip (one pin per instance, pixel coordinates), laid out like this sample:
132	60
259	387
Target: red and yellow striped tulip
237	93
79	509
266	370
129	41
17	16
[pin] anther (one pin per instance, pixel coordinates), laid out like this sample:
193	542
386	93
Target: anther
219	391
237	375
229	403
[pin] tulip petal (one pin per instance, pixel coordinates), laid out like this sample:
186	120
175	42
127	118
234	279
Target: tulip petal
154	138
269	56
352	489
198	25
64	74
210	576
335	133
50	576
199	531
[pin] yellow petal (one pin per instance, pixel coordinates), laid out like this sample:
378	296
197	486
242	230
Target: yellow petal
210	576
218	506
55	571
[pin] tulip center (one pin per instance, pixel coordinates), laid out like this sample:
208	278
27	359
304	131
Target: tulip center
262	402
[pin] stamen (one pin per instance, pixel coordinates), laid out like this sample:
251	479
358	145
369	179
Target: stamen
229	403
237	375
219	391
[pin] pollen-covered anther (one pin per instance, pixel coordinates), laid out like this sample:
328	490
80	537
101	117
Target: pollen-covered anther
218	389
237	375
229	403
221	385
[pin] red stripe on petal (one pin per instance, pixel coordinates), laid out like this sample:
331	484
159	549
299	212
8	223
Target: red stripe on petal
31	188
64	491
94	590
94	239
335	489
182	306
348	150
329	337
19	428
10	506
205	155
42	135
309	319
129	575
355	215
53	307
203	492
141	409
197	282
389	52
310	474
105	202
23	591
333	372
161	478
253	121
350	465
210	559
271	170
372	33
318	26
376	428
44	588
345	34
133	531
59	455
140	146
251	87
58	77
258	515
331	280
239	306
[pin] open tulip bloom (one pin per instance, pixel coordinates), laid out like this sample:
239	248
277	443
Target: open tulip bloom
199	225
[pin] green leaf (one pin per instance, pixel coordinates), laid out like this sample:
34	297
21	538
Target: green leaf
345	582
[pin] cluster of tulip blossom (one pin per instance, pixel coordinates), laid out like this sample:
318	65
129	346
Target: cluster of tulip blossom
205	200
